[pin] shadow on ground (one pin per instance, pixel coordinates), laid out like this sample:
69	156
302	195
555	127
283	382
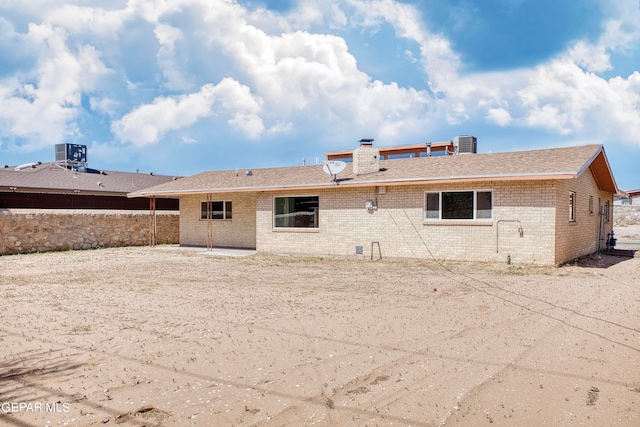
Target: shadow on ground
605	260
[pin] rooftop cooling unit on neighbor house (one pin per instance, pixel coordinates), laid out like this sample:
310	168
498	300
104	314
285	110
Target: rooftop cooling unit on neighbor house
465	144
73	155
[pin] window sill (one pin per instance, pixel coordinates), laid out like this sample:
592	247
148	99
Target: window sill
295	230
464	222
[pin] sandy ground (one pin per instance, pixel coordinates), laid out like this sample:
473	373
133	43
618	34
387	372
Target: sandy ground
167	337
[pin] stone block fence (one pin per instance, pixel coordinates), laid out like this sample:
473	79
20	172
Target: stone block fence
42	230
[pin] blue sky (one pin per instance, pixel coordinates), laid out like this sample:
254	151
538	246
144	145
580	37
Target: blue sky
181	86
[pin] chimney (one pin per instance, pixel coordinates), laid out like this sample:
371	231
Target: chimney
366	159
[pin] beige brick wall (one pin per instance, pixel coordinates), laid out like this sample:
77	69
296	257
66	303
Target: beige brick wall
398	225
533	204
580	237
239	232
41	230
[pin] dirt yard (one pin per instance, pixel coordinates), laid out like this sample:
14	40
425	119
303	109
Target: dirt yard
169	337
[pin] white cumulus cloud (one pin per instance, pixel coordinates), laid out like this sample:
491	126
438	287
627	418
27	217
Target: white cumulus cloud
499	116
284	72
41	105
88	19
147	123
167	36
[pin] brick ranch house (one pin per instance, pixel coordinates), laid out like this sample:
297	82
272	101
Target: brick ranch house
539	206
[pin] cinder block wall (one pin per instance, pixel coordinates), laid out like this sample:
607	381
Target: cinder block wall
239	232
398	225
42	230
579	237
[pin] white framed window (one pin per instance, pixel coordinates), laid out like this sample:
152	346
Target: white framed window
572	206
472	204
220	210
296	212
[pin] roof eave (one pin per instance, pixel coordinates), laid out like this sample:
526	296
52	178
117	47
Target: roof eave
368	183
63	191
605	180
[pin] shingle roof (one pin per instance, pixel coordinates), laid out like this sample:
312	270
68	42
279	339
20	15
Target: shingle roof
51	178
555	163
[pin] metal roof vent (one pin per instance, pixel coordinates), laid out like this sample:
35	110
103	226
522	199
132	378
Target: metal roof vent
366	141
465	144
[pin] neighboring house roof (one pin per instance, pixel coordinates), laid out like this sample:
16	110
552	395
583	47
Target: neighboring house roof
556	163
414	149
52	178
633	193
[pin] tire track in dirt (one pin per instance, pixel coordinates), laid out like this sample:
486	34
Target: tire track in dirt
361	382
563	317
463	348
405	387
313	401
540	312
559	320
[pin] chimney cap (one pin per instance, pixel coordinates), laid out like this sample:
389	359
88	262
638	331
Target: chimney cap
366	141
